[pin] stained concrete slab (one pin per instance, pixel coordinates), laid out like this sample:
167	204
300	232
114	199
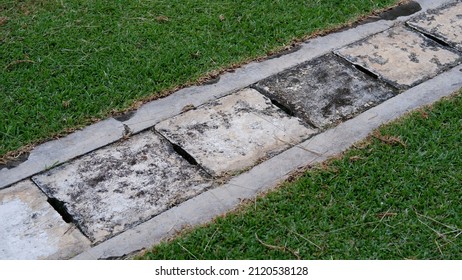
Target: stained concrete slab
400	56
215	202
234	132
325	90
444	24
31	229
124	184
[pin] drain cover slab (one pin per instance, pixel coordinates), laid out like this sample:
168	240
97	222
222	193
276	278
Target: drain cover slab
325	90
444	24
32	229
400	56
234	132
124	184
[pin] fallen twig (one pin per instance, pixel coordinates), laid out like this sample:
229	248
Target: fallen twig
278	248
306	239
16	62
382	216
3	20
439	248
439	234
438	222
211	238
390	140
189	252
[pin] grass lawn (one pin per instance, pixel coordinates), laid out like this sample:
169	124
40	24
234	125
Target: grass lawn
398	195
64	64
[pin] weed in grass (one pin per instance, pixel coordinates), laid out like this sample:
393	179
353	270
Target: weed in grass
396	196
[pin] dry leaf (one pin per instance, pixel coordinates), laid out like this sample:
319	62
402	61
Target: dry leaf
3	20
162	19
424	114
355	158
66	103
390	140
386	214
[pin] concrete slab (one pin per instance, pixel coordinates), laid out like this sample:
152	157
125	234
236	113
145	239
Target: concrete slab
444	24
61	150
325	90
234	132
400	56
210	204
32	229
124	184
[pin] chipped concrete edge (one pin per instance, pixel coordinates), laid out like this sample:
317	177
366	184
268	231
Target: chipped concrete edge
110	130
203	208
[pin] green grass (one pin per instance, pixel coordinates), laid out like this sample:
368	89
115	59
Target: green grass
64	63
395	198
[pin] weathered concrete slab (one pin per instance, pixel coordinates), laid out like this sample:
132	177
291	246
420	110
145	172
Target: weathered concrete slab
31	229
208	205
121	185
444	24
325	90
234	132
400	56
64	149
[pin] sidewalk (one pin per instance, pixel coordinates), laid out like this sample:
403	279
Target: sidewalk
124	184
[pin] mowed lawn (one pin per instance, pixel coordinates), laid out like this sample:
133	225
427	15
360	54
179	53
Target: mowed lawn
397	195
65	64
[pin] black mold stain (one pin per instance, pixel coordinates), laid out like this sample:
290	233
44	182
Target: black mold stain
211	81
341	97
413	58
16	162
99	178
125	117
406	9
285	52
